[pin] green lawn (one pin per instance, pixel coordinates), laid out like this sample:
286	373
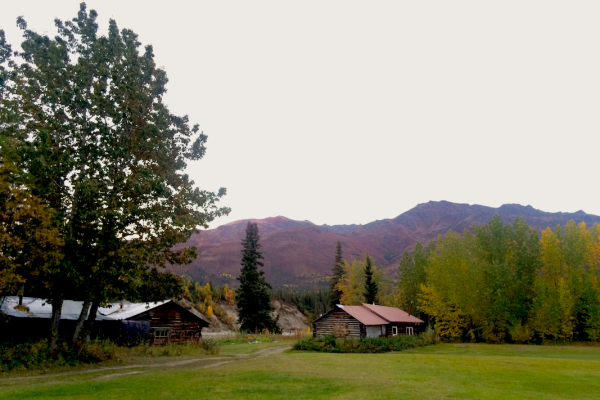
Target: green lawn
249	348
434	372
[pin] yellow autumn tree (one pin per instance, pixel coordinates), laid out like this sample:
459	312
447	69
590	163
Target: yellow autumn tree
29	242
209	312
450	319
186	294
228	295
593	308
455	290
352	284
554	310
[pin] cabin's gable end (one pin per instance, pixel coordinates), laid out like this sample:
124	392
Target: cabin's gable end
171	323
338	323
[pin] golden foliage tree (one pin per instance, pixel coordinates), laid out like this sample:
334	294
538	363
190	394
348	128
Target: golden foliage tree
352	284
29	242
454	294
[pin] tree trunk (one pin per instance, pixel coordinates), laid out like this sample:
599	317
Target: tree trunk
82	317
91	320
56	311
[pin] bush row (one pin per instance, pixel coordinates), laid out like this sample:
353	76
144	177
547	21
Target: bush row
39	355
35	355
329	344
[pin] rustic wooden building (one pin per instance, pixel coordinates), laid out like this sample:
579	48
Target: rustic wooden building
366	320
162	322
28	318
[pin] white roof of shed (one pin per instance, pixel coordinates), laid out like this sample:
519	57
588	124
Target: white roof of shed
40	308
114	310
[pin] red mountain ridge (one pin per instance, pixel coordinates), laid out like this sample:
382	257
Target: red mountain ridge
300	253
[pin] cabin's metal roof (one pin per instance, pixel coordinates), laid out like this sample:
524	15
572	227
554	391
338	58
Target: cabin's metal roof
124	310
392	314
127	310
40	308
363	315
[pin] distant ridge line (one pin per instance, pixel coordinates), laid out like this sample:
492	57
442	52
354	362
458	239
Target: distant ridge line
301	253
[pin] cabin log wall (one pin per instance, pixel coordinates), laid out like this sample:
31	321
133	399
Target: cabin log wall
180	328
417	328
324	326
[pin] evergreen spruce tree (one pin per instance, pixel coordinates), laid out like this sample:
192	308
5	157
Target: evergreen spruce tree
254	297
370	285
336	276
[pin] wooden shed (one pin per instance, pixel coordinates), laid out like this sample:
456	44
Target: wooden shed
163	322
24	319
366	320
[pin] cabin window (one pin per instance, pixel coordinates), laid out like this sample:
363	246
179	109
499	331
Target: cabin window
409	331
394	330
161	333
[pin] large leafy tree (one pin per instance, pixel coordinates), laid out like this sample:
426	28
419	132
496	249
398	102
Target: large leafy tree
454	293
412	273
92	138
336	276
254	295
511	255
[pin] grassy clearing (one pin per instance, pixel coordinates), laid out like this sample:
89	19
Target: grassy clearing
443	371
249	348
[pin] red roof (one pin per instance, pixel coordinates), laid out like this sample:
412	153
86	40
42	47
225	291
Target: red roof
391	314
363	315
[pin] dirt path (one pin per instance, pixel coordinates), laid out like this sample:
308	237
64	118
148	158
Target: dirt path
213	362
261	353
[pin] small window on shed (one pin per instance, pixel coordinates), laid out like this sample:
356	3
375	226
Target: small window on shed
161	333
409	330
394	330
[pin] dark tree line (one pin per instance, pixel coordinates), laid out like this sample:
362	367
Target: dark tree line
311	302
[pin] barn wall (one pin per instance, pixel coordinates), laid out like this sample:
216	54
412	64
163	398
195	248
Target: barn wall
325	326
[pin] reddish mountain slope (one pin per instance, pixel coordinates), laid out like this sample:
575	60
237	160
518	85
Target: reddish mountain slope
301	253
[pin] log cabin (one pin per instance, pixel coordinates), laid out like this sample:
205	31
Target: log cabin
162	322
28	318
366	320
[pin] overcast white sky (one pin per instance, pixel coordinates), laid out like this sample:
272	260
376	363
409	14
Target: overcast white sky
345	112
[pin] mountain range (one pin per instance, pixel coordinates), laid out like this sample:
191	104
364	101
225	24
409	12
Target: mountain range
300	253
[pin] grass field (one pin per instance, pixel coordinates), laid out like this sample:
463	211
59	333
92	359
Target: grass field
435	372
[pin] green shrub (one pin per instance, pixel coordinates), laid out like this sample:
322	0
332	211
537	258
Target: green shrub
210	346
172	349
33	355
521	333
329	344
